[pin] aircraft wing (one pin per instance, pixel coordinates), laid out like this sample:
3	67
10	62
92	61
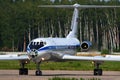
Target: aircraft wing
14	57
95	58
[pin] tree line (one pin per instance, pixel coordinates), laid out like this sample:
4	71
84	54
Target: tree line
22	20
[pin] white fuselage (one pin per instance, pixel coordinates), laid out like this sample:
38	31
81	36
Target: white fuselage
52	48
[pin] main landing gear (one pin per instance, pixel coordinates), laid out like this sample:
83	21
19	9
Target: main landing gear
97	70
23	70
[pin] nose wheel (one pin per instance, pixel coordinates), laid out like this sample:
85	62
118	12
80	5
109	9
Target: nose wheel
38	71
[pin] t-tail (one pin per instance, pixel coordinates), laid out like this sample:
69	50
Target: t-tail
74	23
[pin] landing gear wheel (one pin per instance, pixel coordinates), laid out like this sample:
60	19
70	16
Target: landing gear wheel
98	72
38	73
23	71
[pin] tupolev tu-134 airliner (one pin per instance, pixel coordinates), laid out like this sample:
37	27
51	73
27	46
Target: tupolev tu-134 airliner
46	49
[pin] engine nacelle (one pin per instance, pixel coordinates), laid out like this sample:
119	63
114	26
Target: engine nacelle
85	45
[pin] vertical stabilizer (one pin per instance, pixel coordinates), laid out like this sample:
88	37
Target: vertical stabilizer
74	23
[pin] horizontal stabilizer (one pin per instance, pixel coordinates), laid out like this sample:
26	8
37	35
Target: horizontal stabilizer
80	6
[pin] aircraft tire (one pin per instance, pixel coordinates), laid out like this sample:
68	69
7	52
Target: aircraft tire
23	71
38	73
98	72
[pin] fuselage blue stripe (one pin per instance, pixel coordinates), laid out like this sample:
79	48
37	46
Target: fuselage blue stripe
58	47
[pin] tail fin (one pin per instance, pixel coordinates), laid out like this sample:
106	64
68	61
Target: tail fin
74	24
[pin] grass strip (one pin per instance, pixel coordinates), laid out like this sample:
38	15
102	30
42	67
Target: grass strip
69	65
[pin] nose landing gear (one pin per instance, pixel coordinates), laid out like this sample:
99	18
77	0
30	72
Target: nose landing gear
38	71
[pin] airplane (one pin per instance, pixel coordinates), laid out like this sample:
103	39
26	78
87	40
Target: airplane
58	49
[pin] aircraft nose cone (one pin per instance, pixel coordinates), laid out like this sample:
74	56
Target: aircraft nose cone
33	53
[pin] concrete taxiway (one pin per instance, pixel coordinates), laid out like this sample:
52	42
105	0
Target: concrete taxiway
47	74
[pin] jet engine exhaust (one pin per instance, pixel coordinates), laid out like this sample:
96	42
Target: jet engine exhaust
85	45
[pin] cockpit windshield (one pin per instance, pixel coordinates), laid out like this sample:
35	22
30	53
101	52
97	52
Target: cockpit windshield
36	45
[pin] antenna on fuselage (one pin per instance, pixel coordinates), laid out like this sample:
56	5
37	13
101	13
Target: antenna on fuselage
74	22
